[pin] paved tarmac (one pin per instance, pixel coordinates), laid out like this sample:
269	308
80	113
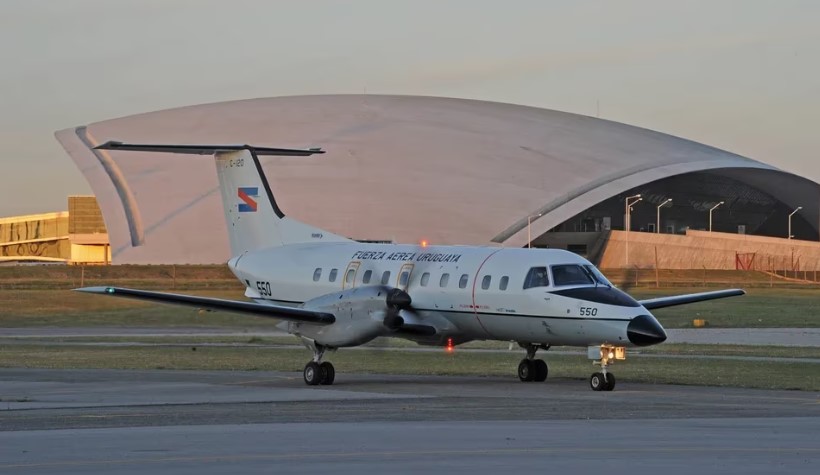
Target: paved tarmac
208	422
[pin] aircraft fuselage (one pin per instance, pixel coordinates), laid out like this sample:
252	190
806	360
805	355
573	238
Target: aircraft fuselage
469	293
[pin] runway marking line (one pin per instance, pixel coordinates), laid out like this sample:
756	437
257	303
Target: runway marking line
414	453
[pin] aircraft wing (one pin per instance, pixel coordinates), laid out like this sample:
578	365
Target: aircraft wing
662	302
224	305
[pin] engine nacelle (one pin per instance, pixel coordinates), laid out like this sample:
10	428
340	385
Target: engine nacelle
362	314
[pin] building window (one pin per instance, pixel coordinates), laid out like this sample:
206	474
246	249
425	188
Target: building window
333	273
502	285
462	282
317	274
485	282
386	277
367	275
425	278
445	278
537	277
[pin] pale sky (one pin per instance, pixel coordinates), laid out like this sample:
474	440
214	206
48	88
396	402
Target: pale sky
742	75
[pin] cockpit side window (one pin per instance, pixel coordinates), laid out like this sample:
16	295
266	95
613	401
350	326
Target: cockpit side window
571	274
537	277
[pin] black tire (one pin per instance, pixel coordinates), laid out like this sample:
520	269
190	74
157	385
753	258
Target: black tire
597	382
526	370
312	373
328	373
541	370
610	382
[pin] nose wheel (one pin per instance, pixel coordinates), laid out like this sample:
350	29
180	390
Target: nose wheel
602	381
604	356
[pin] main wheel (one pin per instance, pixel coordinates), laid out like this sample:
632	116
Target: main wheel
610	382
328	373
312	374
597	381
525	370
540	369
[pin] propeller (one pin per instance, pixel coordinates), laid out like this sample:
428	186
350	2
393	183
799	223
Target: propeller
397	300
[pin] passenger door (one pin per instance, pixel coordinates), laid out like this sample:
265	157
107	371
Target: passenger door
349	279
403	280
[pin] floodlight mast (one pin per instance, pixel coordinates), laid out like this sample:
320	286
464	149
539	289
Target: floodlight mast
658	223
790	220
629	201
529	222
710	214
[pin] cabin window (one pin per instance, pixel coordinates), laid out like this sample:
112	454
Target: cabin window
403	278
425	278
317	274
349	276
386	277
367	275
333	273
502	285
571	274
537	277
445	278
462	282
485	282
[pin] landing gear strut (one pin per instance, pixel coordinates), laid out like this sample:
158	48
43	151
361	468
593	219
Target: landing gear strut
531	369
316	372
604	356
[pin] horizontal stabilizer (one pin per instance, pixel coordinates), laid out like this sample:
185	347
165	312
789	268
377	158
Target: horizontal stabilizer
662	302
224	305
206	149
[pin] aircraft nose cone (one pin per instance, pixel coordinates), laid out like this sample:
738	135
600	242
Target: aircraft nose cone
644	330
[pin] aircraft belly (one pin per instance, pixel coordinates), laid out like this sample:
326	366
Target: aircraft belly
555	331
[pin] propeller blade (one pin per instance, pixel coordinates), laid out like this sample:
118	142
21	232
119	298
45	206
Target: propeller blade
398	298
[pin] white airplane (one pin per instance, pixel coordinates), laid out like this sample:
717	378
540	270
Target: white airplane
333	292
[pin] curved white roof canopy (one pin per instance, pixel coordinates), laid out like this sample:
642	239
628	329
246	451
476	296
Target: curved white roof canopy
401	168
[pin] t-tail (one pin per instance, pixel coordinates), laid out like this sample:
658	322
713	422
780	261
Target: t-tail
253	218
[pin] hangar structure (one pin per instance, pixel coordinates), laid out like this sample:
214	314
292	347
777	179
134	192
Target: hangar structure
410	168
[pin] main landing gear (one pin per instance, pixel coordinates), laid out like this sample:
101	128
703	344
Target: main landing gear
531	369
316	372
604	355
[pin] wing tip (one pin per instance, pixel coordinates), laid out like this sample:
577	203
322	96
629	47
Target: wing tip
95	290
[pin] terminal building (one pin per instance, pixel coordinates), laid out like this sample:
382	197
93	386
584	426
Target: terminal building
452	171
76	236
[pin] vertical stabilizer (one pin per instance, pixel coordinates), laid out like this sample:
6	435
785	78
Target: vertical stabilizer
253	218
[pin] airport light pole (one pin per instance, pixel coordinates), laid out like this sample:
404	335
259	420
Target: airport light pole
529	222
630	200
790	220
658	224
710	214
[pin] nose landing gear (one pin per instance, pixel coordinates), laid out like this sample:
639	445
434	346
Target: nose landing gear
531	369
604	355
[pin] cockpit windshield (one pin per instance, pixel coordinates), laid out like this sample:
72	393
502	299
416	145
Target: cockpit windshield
597	275
572	274
537	277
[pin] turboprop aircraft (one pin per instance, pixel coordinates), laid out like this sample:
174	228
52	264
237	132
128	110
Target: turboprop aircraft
333	292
